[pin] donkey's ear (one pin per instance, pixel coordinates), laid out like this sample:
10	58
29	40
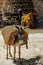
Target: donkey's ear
17	27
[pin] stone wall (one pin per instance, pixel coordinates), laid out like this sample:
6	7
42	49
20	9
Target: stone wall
38	6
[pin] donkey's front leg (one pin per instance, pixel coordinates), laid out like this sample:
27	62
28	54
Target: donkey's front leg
10	51
6	52
19	52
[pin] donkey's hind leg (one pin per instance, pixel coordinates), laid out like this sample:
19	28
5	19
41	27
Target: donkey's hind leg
10	51
14	51
26	46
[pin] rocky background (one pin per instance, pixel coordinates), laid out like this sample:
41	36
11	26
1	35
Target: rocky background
8	8
38	6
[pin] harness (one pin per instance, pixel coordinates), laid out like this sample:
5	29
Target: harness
20	36
20	31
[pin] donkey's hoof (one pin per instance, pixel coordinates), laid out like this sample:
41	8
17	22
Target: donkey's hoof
11	56
27	47
14	60
7	58
20	60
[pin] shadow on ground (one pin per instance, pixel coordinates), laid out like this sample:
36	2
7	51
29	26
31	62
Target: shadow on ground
31	61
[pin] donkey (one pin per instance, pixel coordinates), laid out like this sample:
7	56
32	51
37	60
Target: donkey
15	39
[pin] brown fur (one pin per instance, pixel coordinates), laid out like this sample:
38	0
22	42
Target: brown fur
11	42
